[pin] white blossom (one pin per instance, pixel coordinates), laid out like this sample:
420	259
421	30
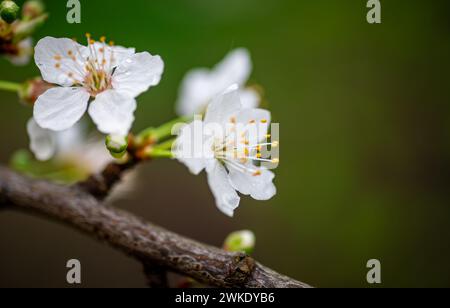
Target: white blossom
71	146
228	144
112	76
200	86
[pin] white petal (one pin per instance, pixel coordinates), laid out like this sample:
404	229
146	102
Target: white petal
60	108
261	121
70	55
113	112
200	86
195	93
188	148
70	140
42	141
227	200
235	68
138	73
112	56
195	165
94	156
223	107
250	98
259	187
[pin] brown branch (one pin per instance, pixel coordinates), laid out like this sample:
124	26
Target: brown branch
99	185
142	240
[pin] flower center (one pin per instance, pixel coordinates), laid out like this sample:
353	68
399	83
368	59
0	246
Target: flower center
236	151
97	81
92	71
98	67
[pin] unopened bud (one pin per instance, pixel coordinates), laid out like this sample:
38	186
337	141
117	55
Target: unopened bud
32	9
117	145
240	241
32	89
26	28
20	161
9	11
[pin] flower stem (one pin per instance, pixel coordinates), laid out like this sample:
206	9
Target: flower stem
159	153
166	145
10	86
162	132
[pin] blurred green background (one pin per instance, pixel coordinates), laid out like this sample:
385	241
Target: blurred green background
365	133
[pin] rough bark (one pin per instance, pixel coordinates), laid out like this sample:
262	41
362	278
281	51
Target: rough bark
80	206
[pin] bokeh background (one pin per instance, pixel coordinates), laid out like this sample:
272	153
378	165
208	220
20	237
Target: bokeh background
365	134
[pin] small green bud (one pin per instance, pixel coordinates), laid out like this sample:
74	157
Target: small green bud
240	241
32	9
9	11
21	160
117	145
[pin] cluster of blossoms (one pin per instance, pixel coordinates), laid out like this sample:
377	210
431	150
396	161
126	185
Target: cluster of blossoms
227	135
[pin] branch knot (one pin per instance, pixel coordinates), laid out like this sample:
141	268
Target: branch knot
241	269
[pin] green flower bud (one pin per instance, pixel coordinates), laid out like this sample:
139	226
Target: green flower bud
117	145
240	241
21	160
9	11
32	9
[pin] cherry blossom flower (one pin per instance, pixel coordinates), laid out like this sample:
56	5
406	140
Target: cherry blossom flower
229	147
71	146
112	76
74	149
200	86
